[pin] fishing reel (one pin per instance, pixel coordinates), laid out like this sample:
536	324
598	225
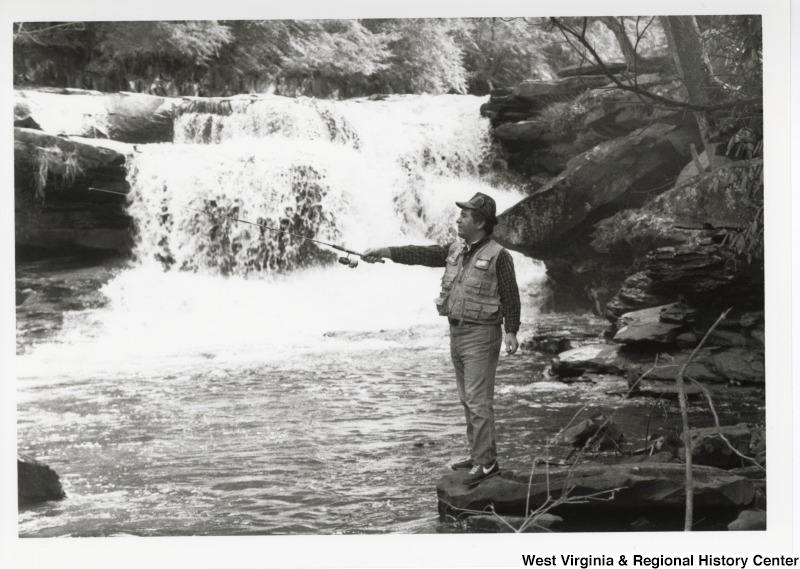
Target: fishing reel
346	260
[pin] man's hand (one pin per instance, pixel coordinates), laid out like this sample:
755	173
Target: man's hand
375	255
511	343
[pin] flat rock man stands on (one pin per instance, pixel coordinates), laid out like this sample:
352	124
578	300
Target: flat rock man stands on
479	291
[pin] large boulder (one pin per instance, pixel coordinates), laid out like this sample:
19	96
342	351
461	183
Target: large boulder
710	364
633	294
707	275
647	327
657	325
70	112
712	446
36	482
615	113
535	131
67	161
643	487
555	333
126	117
595	433
696	208
615	175
504	107
54	207
716	364
595	358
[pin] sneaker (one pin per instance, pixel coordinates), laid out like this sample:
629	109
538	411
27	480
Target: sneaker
463	465
479	473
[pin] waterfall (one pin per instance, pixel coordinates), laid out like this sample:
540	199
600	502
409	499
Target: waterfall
356	173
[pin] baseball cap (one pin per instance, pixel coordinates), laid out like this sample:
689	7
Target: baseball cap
482	203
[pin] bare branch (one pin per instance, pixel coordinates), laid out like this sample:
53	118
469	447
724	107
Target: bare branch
687	443
707	393
671	103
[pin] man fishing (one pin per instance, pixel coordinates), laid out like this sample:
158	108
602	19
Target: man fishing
479	293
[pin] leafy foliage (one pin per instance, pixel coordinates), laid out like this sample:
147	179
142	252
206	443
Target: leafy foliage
748	241
733	45
564	116
193	42
424	56
339	47
500	51
348	57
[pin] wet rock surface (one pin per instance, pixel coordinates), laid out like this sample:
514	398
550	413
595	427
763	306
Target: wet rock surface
606	179
713	365
555	333
598	358
650	228
619	493
718	447
36	482
749	520
544	523
55	209
597	433
127	117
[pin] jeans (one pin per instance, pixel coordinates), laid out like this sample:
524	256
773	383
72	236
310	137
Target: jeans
475	350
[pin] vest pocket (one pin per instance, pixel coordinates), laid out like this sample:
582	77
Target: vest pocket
472	310
477	287
480	311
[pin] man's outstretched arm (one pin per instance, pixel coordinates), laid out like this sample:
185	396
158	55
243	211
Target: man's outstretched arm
428	255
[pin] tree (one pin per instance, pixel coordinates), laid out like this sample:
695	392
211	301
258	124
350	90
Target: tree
500	52
425	56
578	35
339	47
617	27
692	64
50	52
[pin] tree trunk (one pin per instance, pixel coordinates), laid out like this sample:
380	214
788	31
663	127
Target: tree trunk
617	27
691	61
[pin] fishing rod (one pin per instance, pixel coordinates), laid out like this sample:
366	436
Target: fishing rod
352	263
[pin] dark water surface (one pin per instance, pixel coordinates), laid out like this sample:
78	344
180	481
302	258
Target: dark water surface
316	441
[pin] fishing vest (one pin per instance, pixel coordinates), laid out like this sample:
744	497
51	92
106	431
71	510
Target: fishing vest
470	291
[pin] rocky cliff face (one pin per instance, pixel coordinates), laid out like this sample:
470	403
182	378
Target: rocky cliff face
617	207
68	142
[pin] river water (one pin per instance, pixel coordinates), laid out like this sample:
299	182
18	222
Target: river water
221	382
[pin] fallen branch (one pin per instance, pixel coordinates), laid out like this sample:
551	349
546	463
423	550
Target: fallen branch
532	516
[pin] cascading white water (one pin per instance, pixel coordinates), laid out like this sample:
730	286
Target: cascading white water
357	173
360	172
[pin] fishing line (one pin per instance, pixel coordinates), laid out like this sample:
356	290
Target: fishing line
352	263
